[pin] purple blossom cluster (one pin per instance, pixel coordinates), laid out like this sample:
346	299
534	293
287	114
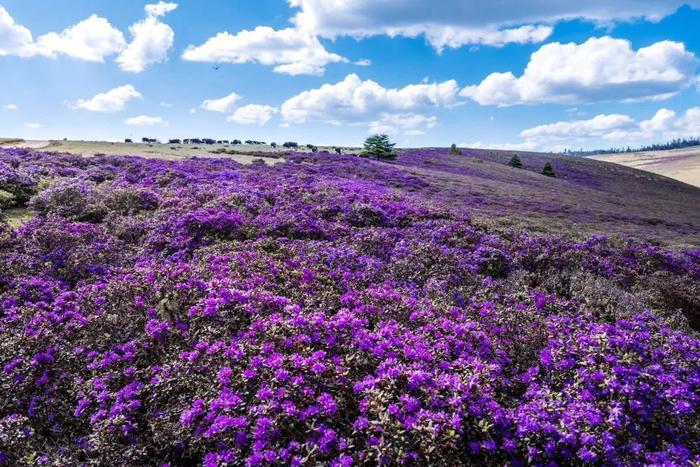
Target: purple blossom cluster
327	311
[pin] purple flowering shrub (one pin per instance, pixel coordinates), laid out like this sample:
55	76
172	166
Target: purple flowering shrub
16	185
219	314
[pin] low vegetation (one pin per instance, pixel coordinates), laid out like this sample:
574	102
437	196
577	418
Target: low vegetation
331	310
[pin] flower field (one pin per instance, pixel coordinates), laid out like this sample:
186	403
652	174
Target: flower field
329	310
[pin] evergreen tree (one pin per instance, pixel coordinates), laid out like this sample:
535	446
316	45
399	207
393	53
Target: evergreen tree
548	170
455	150
380	147
515	162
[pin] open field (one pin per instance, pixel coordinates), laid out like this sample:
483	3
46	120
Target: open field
241	153
679	164
587	198
436	309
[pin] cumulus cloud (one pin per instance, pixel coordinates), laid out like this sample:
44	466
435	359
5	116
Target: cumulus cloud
253	114
615	129
94	39
160	9
223	105
91	40
453	23
145	120
152	40
113	100
355	101
33	125
599	69
290	51
408	124
14	38
597	126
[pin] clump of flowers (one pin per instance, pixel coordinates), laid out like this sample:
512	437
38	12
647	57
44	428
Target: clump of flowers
328	313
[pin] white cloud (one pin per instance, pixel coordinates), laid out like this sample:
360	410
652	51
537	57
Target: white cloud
599	69
253	114
289	51
10	107
91	40
453	23
595	127
152	40
14	38
410	124
33	126
455	37
160	9
166	105
605	130
113	100
363	62
145	120
224	105
355	101
94	39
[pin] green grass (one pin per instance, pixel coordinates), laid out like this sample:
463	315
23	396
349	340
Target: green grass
17	217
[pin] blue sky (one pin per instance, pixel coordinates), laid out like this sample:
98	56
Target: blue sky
544	75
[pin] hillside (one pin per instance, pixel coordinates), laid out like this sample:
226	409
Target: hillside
339	311
587	197
679	164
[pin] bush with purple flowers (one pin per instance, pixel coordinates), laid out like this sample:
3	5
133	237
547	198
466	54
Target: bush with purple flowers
328	312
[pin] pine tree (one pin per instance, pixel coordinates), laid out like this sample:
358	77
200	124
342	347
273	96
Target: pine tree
380	147
548	170
515	162
454	150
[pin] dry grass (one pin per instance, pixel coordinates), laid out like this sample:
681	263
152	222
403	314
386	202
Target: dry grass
679	164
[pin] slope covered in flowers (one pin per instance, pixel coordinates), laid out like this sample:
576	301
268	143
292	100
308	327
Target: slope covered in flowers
328	310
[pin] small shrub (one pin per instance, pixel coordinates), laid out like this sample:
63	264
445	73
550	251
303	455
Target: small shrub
454	150
515	162
548	170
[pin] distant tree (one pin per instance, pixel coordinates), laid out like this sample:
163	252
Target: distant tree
128	140
455	150
515	162
380	147
548	170
174	141
236	141
274	145
290	145
145	140
338	150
